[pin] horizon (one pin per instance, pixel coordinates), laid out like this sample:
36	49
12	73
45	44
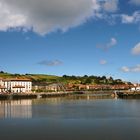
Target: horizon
58	37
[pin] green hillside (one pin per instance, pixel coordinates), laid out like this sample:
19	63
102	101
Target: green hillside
33	77
65	79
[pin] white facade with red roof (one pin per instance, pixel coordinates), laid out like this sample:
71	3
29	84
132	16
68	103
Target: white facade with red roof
16	85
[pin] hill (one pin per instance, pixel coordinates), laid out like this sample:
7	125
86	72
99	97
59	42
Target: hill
33	77
41	79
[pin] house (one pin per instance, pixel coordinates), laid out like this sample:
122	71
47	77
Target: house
15	85
49	87
53	87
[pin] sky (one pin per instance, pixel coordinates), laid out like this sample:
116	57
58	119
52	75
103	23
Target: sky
82	37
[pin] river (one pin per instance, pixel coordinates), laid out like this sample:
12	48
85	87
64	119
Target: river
70	118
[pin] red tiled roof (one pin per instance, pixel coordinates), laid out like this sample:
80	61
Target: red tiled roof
16	79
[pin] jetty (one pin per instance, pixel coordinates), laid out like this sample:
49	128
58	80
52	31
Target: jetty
128	94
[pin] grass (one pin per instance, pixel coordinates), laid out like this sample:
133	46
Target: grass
35	77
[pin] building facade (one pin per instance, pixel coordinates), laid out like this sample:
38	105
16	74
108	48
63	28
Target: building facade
2	87
49	87
15	85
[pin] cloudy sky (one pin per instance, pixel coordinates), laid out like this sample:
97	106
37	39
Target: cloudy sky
92	37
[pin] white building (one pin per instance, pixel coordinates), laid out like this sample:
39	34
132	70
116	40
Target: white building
135	89
2	87
16	85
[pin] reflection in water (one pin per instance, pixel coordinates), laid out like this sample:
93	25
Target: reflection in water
27	108
91	96
56	100
75	117
43	107
16	109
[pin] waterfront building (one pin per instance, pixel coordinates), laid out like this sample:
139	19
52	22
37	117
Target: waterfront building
16	85
2	87
49	87
99	87
54	87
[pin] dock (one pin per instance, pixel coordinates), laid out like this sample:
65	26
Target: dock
128	94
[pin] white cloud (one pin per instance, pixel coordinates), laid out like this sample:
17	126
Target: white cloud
136	49
10	19
103	62
131	69
134	18
135	2
45	16
127	19
110	44
125	69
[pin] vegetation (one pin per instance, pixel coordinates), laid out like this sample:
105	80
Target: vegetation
65	79
36	78
91	80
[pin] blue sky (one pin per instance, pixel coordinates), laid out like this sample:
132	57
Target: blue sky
87	37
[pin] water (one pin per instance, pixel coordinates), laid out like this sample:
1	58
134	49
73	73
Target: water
69	118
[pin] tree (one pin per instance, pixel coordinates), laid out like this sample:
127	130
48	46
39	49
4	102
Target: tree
64	76
1	71
88	81
97	81
85	76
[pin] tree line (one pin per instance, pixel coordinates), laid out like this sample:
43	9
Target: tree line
93	79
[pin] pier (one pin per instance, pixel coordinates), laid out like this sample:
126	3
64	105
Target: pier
128	94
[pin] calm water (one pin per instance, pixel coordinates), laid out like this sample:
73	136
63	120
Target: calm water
70	118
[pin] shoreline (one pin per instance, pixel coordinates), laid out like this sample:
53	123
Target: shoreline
118	94
15	96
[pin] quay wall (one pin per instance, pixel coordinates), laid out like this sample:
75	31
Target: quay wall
51	94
